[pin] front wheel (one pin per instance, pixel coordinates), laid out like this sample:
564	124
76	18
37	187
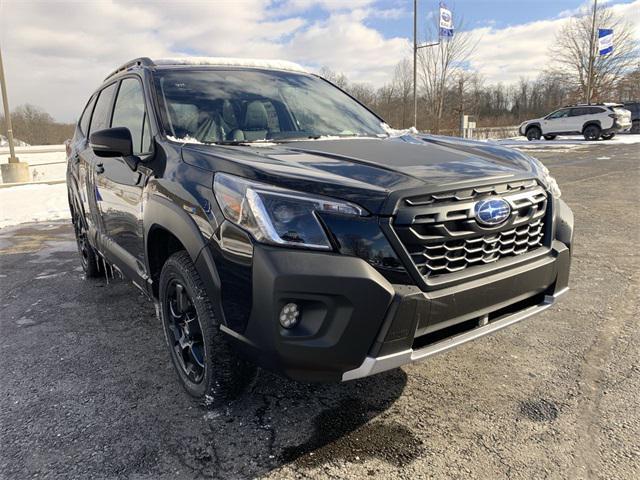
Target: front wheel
206	365
549	137
592	132
534	133
608	136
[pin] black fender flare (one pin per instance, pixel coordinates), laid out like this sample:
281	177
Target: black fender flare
591	122
532	124
159	212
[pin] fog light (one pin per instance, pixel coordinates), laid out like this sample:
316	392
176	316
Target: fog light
289	315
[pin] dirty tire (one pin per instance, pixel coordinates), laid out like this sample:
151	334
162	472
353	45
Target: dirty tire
591	133
609	136
549	137
533	133
635	126
208	369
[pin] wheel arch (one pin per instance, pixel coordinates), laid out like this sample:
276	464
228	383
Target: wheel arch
588	123
531	125
169	229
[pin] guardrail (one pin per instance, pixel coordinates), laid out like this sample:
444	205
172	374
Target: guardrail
47	163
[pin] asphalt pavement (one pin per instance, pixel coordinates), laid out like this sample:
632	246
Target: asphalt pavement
87	389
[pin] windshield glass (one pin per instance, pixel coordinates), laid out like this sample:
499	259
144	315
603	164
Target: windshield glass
238	106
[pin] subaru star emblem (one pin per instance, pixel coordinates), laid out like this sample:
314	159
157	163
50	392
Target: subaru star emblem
492	212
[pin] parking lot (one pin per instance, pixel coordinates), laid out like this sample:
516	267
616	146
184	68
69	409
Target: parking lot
88	391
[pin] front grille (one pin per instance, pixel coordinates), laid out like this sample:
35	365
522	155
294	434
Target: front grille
440	233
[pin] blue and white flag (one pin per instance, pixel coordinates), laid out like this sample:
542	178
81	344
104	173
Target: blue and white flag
605	40
446	21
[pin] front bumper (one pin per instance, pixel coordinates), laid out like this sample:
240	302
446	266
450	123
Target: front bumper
355	323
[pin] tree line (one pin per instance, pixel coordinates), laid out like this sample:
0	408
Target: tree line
34	126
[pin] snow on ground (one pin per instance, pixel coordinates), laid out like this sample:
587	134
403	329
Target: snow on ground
33	203
565	142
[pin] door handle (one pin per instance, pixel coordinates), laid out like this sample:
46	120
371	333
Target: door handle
99	168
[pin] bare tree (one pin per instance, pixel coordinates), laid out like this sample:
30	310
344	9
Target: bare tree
403	87
338	79
437	65
575	48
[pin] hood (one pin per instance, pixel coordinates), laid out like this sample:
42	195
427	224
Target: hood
366	170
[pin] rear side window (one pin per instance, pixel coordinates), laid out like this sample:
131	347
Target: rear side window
595	110
129	112
577	112
85	119
100	119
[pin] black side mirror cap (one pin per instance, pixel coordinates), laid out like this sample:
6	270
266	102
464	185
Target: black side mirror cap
112	142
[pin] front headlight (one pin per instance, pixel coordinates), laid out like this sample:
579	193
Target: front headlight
275	215
546	178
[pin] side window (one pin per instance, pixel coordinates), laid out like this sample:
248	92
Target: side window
129	112
85	119
576	112
100	118
595	110
559	114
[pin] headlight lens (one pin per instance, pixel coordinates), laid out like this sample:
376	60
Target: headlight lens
275	215
547	179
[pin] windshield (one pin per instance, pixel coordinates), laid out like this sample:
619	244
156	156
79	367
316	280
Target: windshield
239	106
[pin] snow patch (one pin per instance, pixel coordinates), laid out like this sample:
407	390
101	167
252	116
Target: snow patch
394	132
233	62
185	139
33	203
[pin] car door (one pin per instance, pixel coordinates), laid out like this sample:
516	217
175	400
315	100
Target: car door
556	122
577	118
120	186
88	160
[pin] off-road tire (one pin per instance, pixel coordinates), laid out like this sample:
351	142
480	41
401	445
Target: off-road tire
608	136
549	137
533	133
591	133
89	258
224	375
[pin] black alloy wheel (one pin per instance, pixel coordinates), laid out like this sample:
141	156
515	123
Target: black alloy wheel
185	332
591	133
533	133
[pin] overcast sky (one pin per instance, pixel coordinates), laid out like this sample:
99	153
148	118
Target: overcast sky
56	53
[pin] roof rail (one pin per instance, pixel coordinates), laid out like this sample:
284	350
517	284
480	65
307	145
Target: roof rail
136	62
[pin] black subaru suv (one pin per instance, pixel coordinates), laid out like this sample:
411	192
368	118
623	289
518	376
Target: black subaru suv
276	221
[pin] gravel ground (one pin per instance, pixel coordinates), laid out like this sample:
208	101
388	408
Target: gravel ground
87	389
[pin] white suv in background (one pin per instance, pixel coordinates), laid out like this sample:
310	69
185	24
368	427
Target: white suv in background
592	121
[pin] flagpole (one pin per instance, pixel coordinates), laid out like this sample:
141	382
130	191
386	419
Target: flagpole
591	54
415	63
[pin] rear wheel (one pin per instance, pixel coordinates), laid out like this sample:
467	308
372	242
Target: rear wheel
608	136
591	132
88	256
635	126
533	133
206	365
549	137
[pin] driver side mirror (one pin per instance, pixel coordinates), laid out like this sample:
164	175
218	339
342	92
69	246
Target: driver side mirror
114	142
